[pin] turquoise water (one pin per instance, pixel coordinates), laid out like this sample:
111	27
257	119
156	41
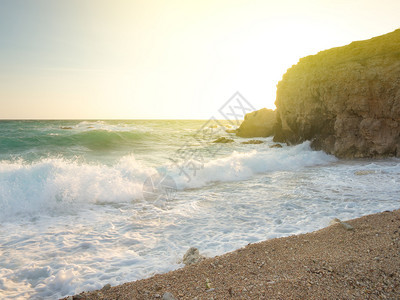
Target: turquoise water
92	140
74	215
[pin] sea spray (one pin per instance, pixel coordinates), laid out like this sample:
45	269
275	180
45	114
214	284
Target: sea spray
58	186
73	218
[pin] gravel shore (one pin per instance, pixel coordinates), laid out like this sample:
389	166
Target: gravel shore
360	261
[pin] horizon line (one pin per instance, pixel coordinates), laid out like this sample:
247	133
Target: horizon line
113	119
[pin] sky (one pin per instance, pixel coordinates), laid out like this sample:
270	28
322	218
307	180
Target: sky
160	59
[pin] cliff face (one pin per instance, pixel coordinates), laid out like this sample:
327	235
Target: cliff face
259	123
345	100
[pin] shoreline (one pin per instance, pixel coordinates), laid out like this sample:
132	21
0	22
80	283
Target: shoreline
333	262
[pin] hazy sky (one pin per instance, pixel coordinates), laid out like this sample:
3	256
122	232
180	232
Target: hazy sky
165	59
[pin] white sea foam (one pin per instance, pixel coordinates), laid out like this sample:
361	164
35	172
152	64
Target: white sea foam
55	185
111	127
243	165
88	226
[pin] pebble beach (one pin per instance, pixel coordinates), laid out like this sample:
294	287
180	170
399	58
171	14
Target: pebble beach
358	259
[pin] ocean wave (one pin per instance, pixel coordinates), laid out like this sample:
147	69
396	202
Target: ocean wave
92	139
243	165
56	185
105	139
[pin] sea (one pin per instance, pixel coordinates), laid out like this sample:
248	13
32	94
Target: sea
85	203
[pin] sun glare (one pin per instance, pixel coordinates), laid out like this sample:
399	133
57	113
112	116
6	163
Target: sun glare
154	59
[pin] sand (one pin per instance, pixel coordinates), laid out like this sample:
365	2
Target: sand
331	263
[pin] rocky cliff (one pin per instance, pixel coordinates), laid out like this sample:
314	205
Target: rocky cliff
259	123
345	100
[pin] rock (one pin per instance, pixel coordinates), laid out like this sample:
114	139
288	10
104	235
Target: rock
75	297
346	226
223	140
106	287
345	100
168	296
334	221
258	123
276	146
343	224
364	172
192	256
208	284
231	130
253	142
